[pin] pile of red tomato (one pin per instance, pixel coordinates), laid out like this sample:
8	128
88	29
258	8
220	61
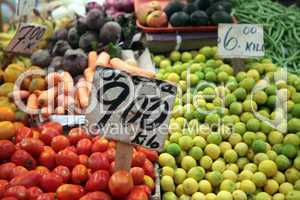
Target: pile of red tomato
44	164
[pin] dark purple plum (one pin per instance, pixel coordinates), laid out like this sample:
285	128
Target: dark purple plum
56	63
110	33
81	25
41	58
60	48
74	61
95	19
88	41
73	37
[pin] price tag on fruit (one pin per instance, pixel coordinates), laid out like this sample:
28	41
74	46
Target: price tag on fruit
25	7
240	40
131	109
26	38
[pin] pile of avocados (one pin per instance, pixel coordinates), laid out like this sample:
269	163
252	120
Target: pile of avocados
198	12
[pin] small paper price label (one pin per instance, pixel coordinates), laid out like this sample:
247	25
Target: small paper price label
131	109
25	7
26	38
240	41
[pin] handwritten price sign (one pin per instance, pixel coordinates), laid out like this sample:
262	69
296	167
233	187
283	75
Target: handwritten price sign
131	109
25	7
240	40
26	38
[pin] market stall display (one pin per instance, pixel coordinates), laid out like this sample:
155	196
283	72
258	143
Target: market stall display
231	133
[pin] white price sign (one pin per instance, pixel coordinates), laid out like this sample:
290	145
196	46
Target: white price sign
26	38
240	41
131	109
25	7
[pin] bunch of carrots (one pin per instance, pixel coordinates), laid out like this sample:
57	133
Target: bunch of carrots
64	95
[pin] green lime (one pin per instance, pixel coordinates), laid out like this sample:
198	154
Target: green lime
249	106
282	162
296	110
230	156
214	138
196	152
229	99
294	125
271	102
173	149
212	119
194	79
188	162
208	52
268	167
292	139
262	196
241	148
165	63
175	56
196	173
186	57
185	142
236	108
289	151
211	76
222	77
259	179
200	75
247	84
260	97
200	58
239	128
254	74
249	137
259	146
240	93
271	89
253	125
213	151
215	178
241	76
173	77
169	196
166	159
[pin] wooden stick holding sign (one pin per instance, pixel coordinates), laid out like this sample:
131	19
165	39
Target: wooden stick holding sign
240	41
130	110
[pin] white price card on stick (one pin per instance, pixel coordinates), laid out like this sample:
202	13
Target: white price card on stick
25	7
130	109
240	41
26	38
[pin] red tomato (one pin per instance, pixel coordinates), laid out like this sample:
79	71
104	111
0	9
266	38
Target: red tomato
137	194
112	167
63	172
51	181
47	157
3	186
59	142
47	134
9	198
21	157
6	169
83	159
84	146
42	170
150	154
34	193
120	183
71	148
149	168
67	158
23	132
96	196
29	179
18	171
69	192
47	196
138	159
110	154
76	134
137	174
54	125
112	144
98	161
98	181
7	148
100	145
18	192
79	174
145	188
32	146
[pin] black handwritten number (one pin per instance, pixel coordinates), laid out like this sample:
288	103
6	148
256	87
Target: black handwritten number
114	103
230	43
138	114
247	30
151	143
140	139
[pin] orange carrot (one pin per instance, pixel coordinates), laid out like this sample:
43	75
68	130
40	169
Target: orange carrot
65	101
82	93
119	64
32	102
59	110
47	96
92	58
103	59
89	74
68	83
19	94
53	79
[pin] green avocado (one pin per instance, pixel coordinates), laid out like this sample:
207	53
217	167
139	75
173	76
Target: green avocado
173	7
214	8
190	8
199	18
221	17
180	19
203	4
227	5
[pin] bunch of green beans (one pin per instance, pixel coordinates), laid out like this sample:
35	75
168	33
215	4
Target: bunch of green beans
281	29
